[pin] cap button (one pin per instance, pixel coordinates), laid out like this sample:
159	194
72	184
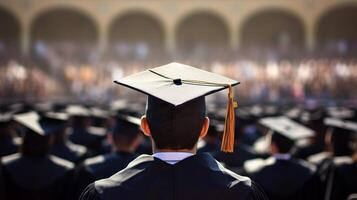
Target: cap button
177	81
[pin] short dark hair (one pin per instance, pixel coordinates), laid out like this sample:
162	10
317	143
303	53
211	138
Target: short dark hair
341	142
283	143
124	133
175	127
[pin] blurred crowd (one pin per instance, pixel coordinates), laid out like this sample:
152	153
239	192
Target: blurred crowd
60	71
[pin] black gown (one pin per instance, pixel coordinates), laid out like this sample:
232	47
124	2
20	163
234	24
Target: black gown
284	179
345	181
340	178
105	166
100	167
69	151
196	177
46	177
236	159
7	146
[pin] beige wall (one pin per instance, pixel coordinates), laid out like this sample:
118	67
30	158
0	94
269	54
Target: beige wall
170	12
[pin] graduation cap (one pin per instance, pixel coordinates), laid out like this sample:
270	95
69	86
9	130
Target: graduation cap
37	124
178	84
78	111
287	128
340	112
58	116
341	124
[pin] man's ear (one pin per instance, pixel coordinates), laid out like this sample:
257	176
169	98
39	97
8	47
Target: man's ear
204	128
145	126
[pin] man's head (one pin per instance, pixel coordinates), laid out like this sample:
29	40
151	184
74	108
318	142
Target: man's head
280	144
125	136
339	141
175	127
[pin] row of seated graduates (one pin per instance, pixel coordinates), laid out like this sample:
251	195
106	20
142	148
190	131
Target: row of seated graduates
88	143
323	166
78	145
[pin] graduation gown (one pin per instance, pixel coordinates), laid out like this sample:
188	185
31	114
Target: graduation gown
46	177
84	137
69	151
106	165
100	167
196	177
345	180
7	146
341	178
237	158
284	178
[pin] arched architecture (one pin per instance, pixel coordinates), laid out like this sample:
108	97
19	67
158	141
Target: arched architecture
9	32
137	31
201	31
336	30
63	24
274	29
187	23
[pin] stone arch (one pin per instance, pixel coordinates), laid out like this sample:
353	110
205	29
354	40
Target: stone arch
273	29
137	33
202	32
336	30
9	32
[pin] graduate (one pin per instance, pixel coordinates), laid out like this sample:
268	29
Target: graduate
33	173
62	146
82	132
338	168
175	119
282	176
125	139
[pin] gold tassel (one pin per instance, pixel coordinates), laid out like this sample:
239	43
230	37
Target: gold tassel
228	134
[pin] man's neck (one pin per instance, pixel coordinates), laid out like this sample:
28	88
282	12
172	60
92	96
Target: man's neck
192	151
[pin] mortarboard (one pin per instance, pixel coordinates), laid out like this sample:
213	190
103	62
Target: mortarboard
78	111
178	84
287	128
37	124
58	116
341	124
340	113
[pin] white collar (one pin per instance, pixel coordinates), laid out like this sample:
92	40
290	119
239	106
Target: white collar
282	156
172	157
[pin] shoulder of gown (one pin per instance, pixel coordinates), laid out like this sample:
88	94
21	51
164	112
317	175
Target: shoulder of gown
257	193
90	193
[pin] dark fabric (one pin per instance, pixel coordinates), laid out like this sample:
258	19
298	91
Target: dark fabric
236	159
36	178
285	179
107	165
7	147
81	136
100	167
342	172
69	151
197	177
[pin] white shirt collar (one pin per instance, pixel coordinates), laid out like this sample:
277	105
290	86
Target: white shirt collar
172	157
282	156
